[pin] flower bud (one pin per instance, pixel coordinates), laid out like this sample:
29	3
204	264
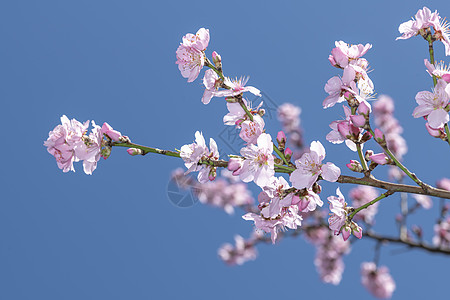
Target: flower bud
446	77
368	154
295	200
358	120
436	132
379	158
212	174
355	166
356	230
135	151
217	60
346	231
281	139
379	137
303	204
110	132
288	153
234	165
366	136
316	188
363	109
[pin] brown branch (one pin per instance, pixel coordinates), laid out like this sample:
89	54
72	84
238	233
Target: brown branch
395	187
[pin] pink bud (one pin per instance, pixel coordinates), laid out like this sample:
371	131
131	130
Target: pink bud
346	232
281	137
379	136
295	200
134	151
110	132
288	152
234	165
363	109
354	166
433	131
444	184
238	122
358	120
446	77
379	158
356	230
303	204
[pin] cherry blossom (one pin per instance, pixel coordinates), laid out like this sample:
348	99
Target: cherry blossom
424	18
310	166
377	280
434	105
440	70
237	87
258	165
251	130
193	153
337	87
344	53
243	251
88	149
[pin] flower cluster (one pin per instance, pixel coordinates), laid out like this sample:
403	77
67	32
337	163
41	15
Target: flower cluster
69	143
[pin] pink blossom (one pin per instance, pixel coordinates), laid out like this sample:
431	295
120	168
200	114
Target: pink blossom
199	41
423	200
236	114
355	166
110	132
377	280
444	184
190	61
309	167
258	165
336	137
436	132
336	87
424	18
440	70
211	82
243	251
193	153
89	149
237	87
433	105
360	196
339	212
344	53
251	130
62	140
442	32
442	234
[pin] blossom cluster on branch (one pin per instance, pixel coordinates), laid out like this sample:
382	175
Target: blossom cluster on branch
289	201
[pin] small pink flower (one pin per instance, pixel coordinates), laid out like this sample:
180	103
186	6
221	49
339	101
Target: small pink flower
440	70
237	87
432	105
424	19
344	53
134	151
211	83
309	167
251	130
258	165
336	87
199	41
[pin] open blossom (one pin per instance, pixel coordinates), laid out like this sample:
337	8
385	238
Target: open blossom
88	149
237	87
338	207
344	53
377	280
434	105
211	82
310	166
440	70
236	113
193	153
190	56
258	165
336	87
251	130
61	142
424	18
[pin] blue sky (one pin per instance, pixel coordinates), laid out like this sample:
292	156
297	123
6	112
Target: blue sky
115	234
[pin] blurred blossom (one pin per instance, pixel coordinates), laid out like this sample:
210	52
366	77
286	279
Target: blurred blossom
423	200
241	252
377	281
360	196
442	234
